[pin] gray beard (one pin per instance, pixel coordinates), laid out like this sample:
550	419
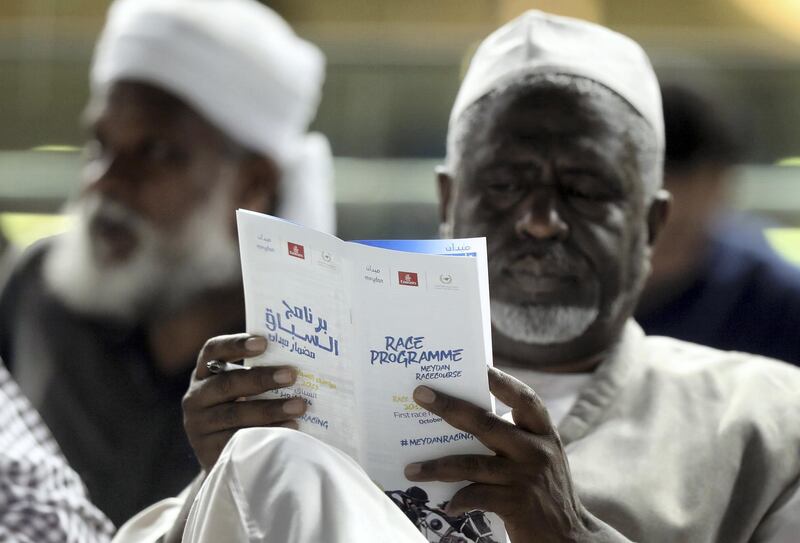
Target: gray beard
164	271
541	325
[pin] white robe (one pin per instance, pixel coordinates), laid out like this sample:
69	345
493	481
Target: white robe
668	441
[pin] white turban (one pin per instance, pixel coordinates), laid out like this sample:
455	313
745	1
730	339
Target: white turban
241	66
537	42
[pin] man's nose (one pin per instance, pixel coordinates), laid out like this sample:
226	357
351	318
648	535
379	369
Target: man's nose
541	219
104	176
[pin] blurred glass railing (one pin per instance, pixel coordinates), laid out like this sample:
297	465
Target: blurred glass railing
375	198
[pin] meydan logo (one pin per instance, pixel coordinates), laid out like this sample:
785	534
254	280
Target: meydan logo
445	279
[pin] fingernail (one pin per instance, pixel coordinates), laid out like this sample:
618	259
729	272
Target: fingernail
255	344
424	394
283	377
294	407
412	470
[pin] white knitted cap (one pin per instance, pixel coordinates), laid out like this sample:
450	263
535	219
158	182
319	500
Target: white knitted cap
537	42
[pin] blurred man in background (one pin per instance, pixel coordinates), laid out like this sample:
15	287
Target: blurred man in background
197	108
715	280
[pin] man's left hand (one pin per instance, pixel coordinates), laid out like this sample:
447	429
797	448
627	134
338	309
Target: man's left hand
527	483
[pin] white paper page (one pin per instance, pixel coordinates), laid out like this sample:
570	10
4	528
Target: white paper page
469	247
419	321
301	276
295	295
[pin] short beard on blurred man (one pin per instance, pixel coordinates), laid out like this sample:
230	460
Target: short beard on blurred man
162	271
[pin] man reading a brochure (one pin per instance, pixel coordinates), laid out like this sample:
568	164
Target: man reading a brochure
554	154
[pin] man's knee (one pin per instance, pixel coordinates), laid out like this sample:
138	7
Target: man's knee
278	449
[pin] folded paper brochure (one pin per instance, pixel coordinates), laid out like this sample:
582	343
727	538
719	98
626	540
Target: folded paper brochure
365	323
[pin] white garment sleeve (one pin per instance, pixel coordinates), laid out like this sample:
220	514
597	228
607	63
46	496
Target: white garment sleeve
273	485
152	523
783	525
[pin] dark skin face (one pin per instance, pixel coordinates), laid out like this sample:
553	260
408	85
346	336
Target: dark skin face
152	153
157	157
552	180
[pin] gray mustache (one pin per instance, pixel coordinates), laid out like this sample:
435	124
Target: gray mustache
554	260
101	209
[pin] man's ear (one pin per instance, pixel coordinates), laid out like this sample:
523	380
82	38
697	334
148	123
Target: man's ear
445	185
257	184
658	214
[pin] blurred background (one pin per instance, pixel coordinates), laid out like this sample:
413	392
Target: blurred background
393	71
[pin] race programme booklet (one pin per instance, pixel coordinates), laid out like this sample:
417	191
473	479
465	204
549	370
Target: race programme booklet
365	323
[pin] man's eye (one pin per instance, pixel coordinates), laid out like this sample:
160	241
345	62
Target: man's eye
158	150
588	195
162	151
585	185
578	193
504	187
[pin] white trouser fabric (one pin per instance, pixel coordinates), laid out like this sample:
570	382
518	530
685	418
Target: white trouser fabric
281	486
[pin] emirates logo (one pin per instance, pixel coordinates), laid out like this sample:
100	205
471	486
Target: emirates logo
297	251
409	279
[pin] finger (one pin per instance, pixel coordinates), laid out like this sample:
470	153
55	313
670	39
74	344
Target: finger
499	435
466	467
493	498
228	349
231	385
247	414
527	409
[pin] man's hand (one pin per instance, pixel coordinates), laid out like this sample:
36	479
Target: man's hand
212	407
527	483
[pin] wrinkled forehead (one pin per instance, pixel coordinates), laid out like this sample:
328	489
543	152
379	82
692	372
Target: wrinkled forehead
144	102
548	119
137	96
136	105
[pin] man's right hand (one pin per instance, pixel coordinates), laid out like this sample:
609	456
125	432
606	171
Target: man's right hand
213	408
